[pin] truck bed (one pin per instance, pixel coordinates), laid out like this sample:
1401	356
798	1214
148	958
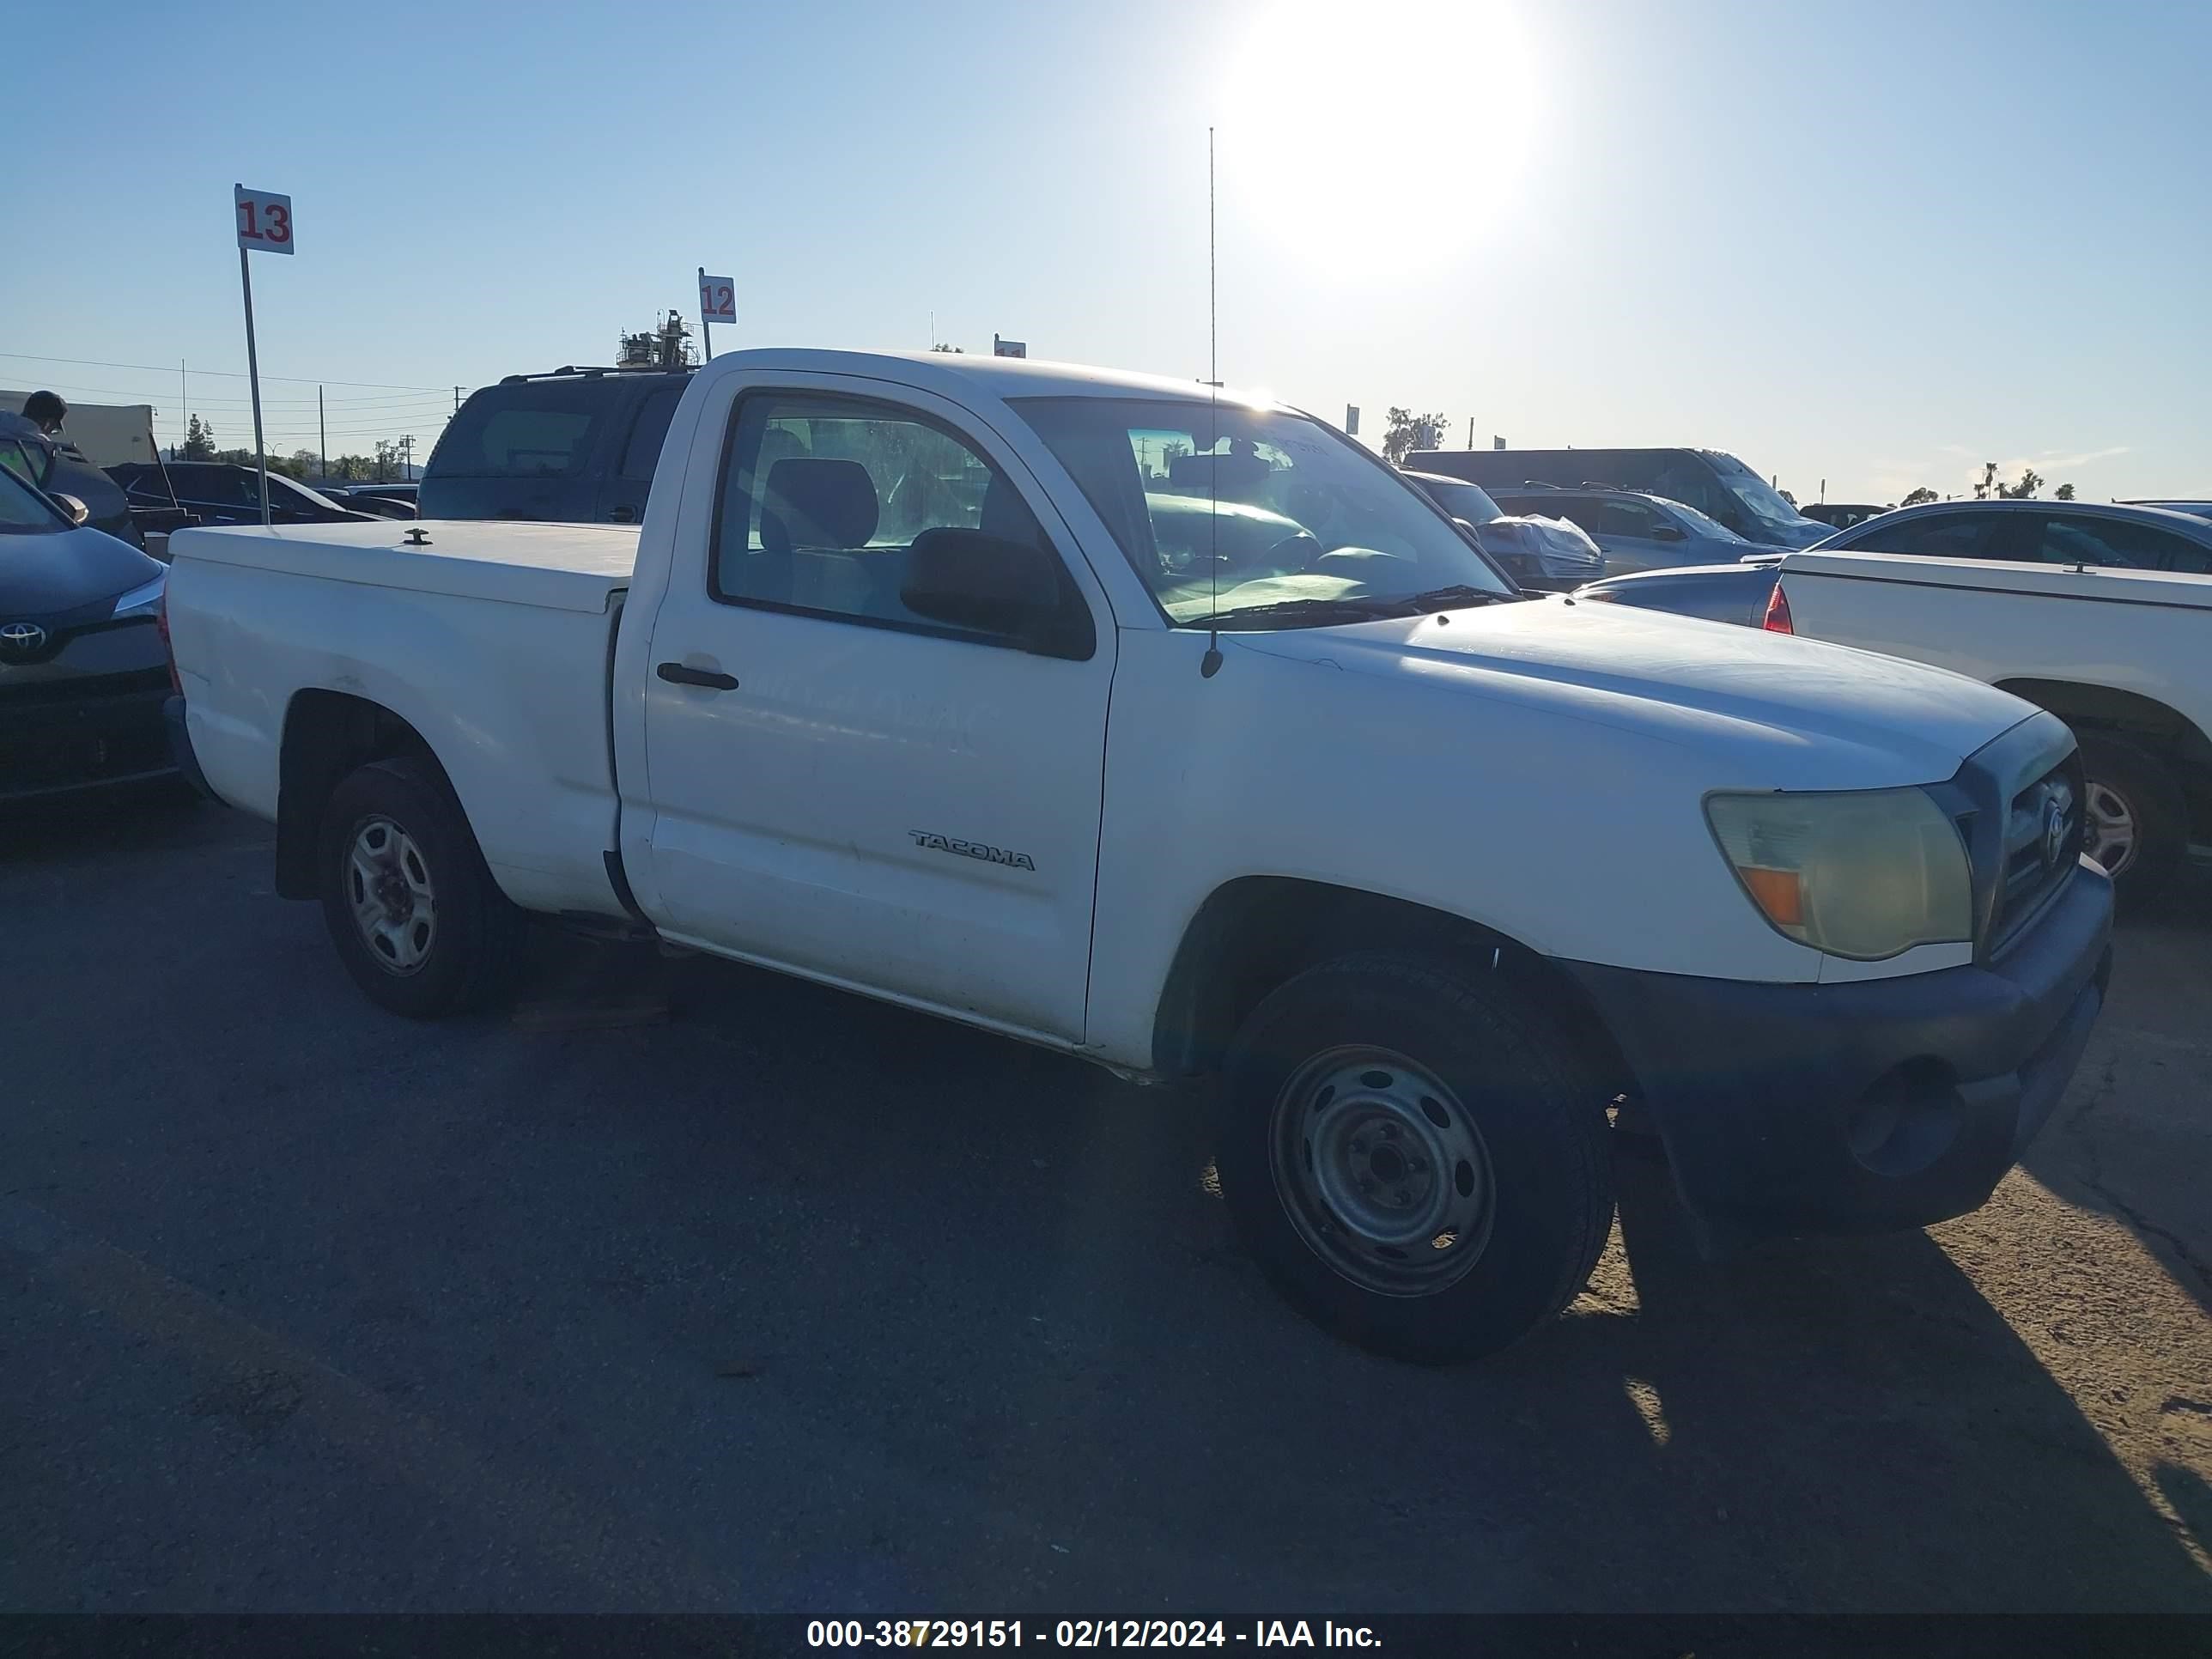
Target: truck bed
561	567
492	641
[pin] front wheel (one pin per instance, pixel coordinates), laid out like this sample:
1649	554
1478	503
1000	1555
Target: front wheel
1415	1155
2137	825
415	915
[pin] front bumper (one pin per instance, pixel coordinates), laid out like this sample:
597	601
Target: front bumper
1864	1107
66	740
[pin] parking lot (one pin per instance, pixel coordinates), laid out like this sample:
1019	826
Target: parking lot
803	1304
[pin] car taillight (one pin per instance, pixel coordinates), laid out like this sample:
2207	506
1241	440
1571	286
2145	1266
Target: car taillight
162	627
1777	619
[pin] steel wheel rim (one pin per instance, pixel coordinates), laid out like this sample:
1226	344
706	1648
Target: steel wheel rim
1381	1171
388	889
2111	836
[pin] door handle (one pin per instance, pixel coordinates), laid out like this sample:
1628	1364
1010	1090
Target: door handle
677	674
622	512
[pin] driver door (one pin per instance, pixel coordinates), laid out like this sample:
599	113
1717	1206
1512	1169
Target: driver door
840	786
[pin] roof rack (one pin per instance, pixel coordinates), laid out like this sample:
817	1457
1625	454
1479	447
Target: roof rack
593	370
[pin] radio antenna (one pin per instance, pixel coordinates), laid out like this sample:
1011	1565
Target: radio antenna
1210	664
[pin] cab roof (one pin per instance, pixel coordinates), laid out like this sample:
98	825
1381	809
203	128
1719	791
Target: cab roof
1003	378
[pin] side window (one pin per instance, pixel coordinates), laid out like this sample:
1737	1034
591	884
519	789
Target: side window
225	486
13	460
2101	541
823	500
1578	510
643	452
1939	536
1621	518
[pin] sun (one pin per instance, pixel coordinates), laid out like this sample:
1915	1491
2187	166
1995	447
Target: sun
1378	138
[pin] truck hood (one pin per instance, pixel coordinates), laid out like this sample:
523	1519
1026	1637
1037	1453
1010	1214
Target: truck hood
1774	711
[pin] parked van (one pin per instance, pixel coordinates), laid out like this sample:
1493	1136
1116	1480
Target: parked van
1718	485
577	446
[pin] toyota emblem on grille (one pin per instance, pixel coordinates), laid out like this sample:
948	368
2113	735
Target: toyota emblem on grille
22	641
2054	832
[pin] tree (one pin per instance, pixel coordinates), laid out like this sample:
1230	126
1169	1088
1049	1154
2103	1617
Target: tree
2030	482
961	349
1923	494
387	458
1787	496
1987	486
667	344
302	464
199	441
1407	432
2064	492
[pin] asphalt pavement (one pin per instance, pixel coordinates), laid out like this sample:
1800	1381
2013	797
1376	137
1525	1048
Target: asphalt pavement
798	1303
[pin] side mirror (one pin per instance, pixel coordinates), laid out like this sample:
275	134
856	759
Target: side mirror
77	511
1667	532
968	580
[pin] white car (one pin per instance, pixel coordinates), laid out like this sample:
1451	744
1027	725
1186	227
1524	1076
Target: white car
2096	611
907	685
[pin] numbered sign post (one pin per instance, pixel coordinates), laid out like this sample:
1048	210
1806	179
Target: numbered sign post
718	303
264	226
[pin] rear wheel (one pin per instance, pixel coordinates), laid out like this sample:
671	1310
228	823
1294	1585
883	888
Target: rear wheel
1415	1155
415	915
2137	824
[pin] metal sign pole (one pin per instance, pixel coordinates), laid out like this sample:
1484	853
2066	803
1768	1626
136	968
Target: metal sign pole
253	376
705	328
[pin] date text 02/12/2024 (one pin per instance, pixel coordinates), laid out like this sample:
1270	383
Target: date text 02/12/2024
1084	1633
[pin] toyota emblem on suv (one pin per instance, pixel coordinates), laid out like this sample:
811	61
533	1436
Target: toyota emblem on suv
22	641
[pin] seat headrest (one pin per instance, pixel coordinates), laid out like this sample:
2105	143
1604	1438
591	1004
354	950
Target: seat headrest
816	502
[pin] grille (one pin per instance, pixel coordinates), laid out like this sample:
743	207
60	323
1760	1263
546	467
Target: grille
2041	842
82	688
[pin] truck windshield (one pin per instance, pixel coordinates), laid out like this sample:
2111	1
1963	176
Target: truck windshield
1759	499
1462	500
1698	522
1286	522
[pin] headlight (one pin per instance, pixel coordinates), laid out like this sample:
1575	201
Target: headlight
142	601
1862	875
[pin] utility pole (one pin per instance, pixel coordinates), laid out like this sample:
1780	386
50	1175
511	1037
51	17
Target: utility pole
322	422
456	400
1470	432
184	410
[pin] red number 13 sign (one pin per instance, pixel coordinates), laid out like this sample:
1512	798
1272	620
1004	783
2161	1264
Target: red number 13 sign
265	222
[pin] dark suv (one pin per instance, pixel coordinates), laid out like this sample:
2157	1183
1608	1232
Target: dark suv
576	446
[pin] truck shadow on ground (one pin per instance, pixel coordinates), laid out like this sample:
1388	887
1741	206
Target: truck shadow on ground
852	1310
2134	1137
1839	1423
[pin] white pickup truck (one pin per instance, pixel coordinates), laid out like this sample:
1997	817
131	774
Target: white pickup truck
922	680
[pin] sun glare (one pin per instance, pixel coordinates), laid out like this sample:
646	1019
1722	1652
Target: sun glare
1379	139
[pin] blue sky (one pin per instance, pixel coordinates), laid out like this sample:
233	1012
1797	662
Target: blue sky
1876	244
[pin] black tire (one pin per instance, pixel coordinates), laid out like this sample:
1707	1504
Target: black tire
467	935
1539	1116
2117	769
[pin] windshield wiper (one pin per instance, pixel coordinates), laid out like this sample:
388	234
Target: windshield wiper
1458	595
1318	610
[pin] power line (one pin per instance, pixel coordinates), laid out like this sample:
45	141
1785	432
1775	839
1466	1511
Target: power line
228	374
